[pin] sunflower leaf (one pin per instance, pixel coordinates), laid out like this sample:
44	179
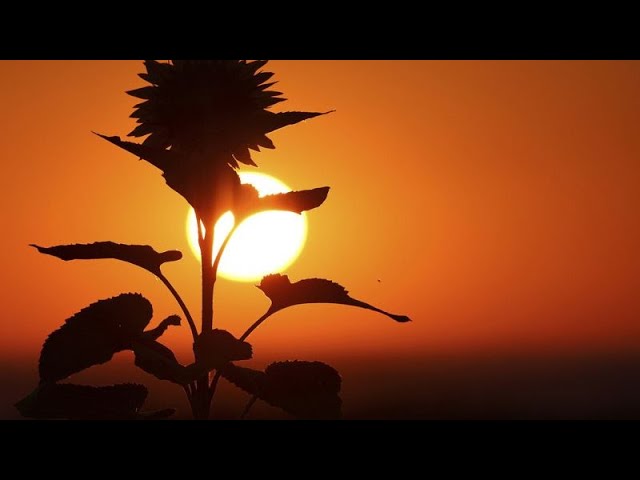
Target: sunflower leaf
283	294
93	335
194	176
171	320
302	389
158	157
217	347
159	361
296	202
143	256
83	402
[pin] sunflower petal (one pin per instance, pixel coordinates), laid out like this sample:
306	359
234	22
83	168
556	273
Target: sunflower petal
144	92
262	77
256	65
264	86
274	121
244	156
142	130
157	71
267	102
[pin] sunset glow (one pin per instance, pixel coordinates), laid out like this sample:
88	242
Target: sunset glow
494	202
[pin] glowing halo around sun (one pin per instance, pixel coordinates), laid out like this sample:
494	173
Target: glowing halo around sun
266	242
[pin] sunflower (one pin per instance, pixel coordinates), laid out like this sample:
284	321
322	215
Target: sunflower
218	108
200	118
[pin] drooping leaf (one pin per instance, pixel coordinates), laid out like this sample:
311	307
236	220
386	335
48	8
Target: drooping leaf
83	402
250	380
154	334
93	335
262	77
158	157
141	255
208	185
283	294
296	202
218	347
312	377
303	389
159	361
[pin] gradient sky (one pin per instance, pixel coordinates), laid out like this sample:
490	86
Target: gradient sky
496	202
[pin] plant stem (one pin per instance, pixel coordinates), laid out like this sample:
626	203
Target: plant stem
201	401
185	310
257	323
203	394
208	281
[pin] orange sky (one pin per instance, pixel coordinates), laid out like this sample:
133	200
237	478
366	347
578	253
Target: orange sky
496	201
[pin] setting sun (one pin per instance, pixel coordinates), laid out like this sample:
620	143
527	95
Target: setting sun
267	242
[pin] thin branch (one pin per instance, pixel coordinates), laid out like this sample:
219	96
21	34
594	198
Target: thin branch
216	262
248	407
257	323
200	231
178	298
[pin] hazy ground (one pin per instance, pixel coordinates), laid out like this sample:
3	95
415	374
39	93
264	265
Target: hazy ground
597	387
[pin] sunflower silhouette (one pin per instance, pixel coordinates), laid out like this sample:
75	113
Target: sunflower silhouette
216	107
198	121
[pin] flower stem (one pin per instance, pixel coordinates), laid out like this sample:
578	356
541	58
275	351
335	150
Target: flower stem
201	402
216	262
257	323
208	281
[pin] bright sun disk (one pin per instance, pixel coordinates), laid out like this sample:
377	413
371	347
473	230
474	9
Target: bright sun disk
267	242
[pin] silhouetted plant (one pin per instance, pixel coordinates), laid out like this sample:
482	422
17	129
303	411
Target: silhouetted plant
200	119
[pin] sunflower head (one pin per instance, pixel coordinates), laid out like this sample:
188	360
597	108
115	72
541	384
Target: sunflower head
219	108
